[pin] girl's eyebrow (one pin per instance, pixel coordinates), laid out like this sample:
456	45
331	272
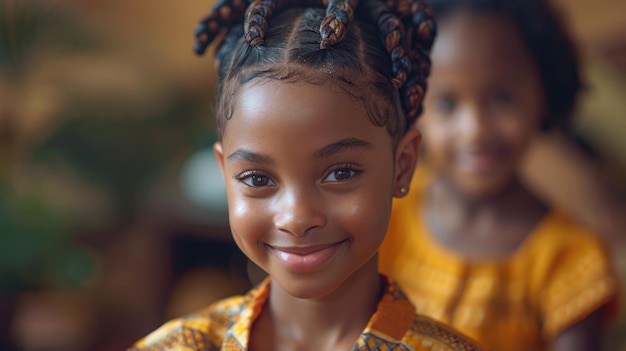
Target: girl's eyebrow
249	156
326	151
341	145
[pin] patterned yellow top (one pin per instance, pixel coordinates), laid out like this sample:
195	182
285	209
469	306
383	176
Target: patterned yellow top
225	326
559	275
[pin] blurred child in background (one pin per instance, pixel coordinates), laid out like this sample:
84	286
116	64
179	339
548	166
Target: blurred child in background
471	245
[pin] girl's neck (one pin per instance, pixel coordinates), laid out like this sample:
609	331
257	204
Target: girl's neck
447	196
482	227
333	322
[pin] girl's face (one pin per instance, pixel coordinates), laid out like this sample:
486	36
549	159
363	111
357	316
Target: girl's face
485	102
309	181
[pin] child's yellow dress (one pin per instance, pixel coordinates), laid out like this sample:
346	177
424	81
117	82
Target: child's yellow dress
558	276
225	326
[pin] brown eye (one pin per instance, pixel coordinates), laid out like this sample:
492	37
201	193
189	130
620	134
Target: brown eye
255	180
445	105
341	174
259	180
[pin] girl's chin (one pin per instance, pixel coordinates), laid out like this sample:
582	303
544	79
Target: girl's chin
306	289
478	187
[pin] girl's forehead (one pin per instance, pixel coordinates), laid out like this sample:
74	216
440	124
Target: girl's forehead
478	39
296	112
294	98
479	52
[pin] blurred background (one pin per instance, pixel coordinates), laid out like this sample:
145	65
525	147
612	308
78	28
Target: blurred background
112	211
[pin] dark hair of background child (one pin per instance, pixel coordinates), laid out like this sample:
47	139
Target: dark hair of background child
547	40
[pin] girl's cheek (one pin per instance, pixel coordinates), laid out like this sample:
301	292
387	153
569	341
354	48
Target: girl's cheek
243	213
247	209
246	223
240	209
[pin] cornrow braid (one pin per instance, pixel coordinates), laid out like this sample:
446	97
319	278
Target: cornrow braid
223	14
394	38
408	30
299	39
421	38
339	14
255	23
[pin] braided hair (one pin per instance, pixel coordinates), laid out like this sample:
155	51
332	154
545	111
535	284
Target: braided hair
546	39
374	50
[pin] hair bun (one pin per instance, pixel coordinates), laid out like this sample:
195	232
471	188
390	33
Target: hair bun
223	14
408	31
407	28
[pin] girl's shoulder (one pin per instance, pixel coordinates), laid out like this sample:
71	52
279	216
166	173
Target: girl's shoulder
204	329
224	322
572	273
432	335
559	235
396	326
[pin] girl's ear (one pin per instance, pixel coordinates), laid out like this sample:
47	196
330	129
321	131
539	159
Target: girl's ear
219	155
407	155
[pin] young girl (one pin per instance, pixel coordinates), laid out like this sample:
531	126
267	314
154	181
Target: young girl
313	113
471	246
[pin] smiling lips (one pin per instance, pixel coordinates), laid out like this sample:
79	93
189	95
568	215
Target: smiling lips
479	161
306	259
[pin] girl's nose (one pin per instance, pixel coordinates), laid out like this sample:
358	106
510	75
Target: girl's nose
474	127
299	213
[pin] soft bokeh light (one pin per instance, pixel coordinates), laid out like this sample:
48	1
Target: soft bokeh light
202	181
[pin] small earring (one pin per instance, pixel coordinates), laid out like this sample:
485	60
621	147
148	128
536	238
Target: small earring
403	190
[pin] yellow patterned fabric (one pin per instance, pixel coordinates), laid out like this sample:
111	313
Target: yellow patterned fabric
225	326
559	275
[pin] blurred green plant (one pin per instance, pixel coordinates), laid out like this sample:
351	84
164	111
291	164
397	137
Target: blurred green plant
31	29
126	150
113	146
110	144
37	247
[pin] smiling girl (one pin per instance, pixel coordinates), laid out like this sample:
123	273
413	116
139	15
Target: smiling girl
313	114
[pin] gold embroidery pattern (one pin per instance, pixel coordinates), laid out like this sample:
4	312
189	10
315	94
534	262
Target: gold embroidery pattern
368	342
435	337
225	326
183	339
